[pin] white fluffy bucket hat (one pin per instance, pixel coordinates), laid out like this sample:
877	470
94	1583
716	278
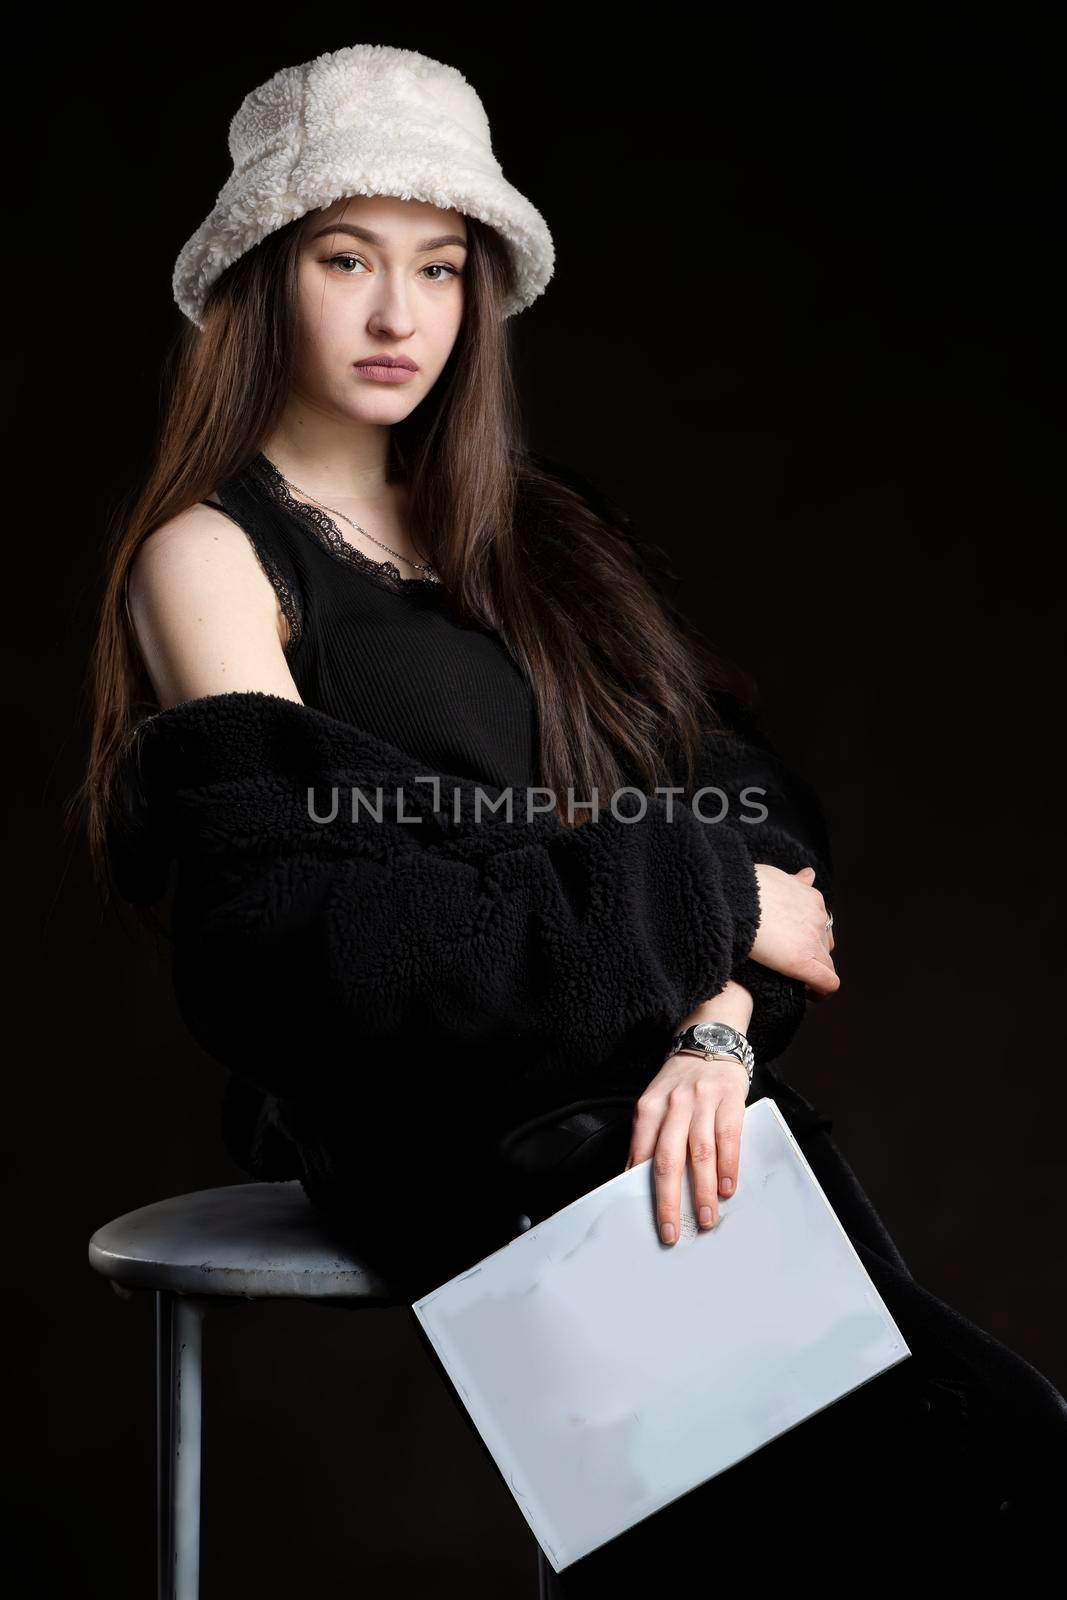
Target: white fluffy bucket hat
368	119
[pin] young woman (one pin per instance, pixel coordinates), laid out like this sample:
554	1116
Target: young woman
342	516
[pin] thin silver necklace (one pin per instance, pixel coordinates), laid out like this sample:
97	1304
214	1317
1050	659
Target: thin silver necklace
420	566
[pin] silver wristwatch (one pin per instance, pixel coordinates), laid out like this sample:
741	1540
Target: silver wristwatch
715	1039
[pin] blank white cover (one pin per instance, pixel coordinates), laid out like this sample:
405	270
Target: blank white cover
609	1373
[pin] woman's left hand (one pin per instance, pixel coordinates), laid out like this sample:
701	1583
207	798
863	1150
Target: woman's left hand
693	1107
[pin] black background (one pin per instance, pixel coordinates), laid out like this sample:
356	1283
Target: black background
802	327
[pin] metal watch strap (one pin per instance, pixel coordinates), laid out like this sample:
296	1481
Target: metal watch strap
712	1039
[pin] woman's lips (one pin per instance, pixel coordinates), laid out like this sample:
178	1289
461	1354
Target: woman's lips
383	374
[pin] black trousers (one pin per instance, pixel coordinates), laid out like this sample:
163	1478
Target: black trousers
955	1460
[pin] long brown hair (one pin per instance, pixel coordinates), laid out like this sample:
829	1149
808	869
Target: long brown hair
525	546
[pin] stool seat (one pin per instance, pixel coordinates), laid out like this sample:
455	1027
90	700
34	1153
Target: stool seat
259	1240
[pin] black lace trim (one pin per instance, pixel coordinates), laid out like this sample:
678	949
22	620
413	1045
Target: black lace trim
289	604
328	534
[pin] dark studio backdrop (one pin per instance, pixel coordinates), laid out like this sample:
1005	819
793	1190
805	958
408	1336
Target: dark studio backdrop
801	326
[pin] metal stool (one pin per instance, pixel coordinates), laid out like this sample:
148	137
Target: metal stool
247	1241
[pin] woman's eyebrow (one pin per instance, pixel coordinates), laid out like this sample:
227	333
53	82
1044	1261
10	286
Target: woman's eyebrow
376	238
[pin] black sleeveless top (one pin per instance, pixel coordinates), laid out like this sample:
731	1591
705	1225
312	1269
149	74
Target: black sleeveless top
385	652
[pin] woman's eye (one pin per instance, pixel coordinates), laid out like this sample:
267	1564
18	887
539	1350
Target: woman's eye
334	259
436	266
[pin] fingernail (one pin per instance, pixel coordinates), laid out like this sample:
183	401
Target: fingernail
668	1232
705	1216
727	1185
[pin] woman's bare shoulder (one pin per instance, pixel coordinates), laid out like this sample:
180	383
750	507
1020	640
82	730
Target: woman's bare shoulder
196	532
203	610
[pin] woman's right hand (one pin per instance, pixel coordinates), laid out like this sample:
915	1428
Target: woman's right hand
792	937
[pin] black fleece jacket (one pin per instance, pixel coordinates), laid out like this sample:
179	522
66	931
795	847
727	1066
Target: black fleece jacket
525	962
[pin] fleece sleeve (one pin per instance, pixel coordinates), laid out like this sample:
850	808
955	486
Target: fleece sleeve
303	950
793	834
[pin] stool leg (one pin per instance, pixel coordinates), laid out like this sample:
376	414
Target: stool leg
547	1581
178	1345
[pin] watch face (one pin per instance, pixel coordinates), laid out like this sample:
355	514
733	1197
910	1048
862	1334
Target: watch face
713	1033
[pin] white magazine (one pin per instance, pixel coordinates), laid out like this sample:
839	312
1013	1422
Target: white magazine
609	1373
